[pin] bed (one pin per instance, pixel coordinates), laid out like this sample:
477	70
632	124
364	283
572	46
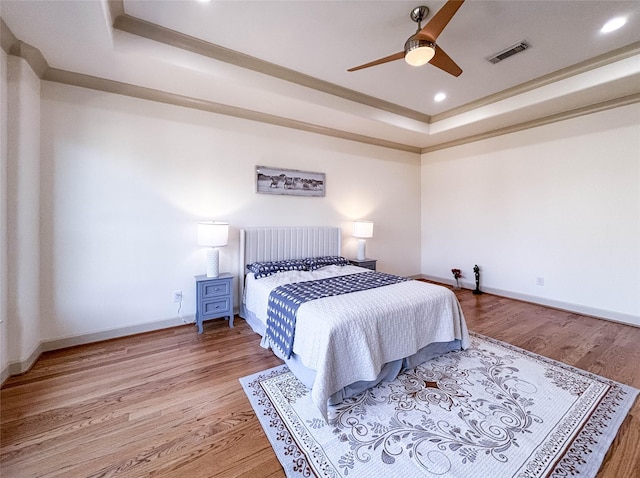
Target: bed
344	344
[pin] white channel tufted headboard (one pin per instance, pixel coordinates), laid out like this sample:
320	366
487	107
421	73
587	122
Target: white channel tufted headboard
279	243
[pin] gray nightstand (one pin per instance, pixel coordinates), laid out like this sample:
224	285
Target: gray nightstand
214	298
366	263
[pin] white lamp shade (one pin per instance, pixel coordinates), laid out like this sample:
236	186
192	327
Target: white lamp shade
213	234
363	229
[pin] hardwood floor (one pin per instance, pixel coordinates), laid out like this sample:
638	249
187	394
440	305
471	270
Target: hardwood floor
168	403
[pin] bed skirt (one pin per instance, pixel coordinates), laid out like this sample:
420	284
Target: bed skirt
389	371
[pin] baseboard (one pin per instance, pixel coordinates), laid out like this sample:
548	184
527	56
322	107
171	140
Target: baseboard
62	343
20	367
17	368
620	317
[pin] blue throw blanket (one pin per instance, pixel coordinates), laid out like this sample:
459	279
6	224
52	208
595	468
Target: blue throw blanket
285	300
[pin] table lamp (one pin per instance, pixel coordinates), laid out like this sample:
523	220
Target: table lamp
213	234
362	230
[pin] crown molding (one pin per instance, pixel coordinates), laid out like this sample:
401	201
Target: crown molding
13	46
573	70
565	115
115	8
7	38
140	92
152	31
160	34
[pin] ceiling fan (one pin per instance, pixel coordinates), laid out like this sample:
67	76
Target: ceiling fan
421	48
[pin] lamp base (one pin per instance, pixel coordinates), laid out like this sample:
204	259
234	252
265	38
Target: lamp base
362	244
213	262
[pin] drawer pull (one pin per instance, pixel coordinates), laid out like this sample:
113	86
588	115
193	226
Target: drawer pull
216	288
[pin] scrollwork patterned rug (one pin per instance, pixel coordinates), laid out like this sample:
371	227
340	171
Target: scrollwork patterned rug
493	410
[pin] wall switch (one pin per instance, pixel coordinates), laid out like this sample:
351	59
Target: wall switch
539	280
177	296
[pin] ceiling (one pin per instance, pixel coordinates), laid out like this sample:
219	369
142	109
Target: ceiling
286	61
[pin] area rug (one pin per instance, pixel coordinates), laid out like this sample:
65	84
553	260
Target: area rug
493	410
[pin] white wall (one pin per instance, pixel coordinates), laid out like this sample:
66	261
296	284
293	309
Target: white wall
561	202
102	211
124	182
4	339
23	211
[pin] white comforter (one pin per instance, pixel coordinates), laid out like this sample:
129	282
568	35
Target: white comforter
348	338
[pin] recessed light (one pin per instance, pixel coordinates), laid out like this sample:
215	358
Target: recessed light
613	24
439	97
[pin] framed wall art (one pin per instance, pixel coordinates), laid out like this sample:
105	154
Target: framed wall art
289	182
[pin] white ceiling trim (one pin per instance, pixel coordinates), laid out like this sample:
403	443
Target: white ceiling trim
572	71
141	92
12	45
151	31
548	91
565	115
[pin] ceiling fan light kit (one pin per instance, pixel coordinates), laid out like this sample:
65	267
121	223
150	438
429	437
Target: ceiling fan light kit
420	48
418	52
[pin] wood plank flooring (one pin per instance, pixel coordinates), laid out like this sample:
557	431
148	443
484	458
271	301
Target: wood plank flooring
168	403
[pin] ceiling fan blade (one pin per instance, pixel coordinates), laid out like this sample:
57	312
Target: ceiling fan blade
386	59
445	63
434	27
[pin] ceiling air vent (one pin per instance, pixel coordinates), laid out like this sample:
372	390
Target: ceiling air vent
512	50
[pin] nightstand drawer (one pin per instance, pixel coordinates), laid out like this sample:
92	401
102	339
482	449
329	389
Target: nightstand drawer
216	308
215	288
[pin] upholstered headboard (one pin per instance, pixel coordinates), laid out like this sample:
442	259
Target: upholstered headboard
278	243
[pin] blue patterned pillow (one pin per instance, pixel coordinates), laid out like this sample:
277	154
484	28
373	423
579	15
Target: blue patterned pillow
314	263
264	269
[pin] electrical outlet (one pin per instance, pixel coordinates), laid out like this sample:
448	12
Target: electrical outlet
539	280
177	296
